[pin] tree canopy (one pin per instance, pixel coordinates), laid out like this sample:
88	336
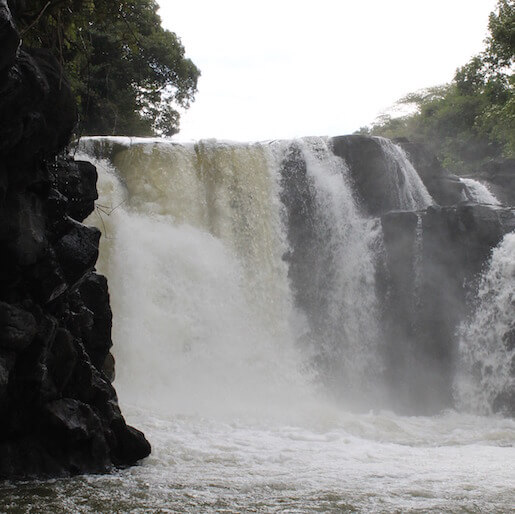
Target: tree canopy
472	119
130	75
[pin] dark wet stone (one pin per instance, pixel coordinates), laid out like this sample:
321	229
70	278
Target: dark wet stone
59	413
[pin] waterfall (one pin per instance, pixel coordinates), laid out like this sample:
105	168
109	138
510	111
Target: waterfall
478	193
243	279
485	380
198	285
405	188
335	282
206	301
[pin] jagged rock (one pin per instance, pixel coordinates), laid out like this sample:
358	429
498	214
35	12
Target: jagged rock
79	187
365	158
40	108
398	278
94	293
9	37
47	277
500	177
80	434
302	235
132	445
370	172
77	251
108	367
62	359
17	327
58	410
7	359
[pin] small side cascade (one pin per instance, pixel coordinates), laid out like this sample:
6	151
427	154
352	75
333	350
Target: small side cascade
485	381
477	192
406	188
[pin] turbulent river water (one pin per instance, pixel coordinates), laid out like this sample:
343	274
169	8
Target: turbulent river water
259	393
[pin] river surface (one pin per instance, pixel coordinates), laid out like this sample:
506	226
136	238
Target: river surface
333	462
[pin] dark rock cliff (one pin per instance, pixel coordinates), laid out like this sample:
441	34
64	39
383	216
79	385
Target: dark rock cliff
369	170
434	261
59	413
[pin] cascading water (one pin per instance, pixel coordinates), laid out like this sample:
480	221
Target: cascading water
405	188
478	192
203	293
335	284
486	378
243	276
202	233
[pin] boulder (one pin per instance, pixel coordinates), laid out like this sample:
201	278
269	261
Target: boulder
368	169
17	327
77	251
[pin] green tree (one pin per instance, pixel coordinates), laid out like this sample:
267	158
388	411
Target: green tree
472	119
130	75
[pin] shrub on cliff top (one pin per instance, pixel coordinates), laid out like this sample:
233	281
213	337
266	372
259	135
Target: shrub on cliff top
471	120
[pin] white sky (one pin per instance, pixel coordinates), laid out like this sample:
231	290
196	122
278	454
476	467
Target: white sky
284	68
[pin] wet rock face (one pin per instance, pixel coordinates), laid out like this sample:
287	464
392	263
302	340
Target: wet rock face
367	165
58	410
370	174
434	261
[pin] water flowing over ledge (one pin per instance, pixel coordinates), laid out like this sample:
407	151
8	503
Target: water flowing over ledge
261	276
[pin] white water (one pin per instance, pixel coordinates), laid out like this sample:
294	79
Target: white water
209	364
202	296
486	359
345	339
405	188
478	192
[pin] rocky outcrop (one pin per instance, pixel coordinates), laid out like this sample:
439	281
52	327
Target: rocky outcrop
365	159
434	261
371	172
58	410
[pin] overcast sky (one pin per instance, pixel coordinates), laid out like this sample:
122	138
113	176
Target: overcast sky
283	68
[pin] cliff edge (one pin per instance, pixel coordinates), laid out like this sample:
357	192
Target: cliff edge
59	412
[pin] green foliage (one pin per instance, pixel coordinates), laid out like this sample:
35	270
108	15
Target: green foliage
472	119
130	75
